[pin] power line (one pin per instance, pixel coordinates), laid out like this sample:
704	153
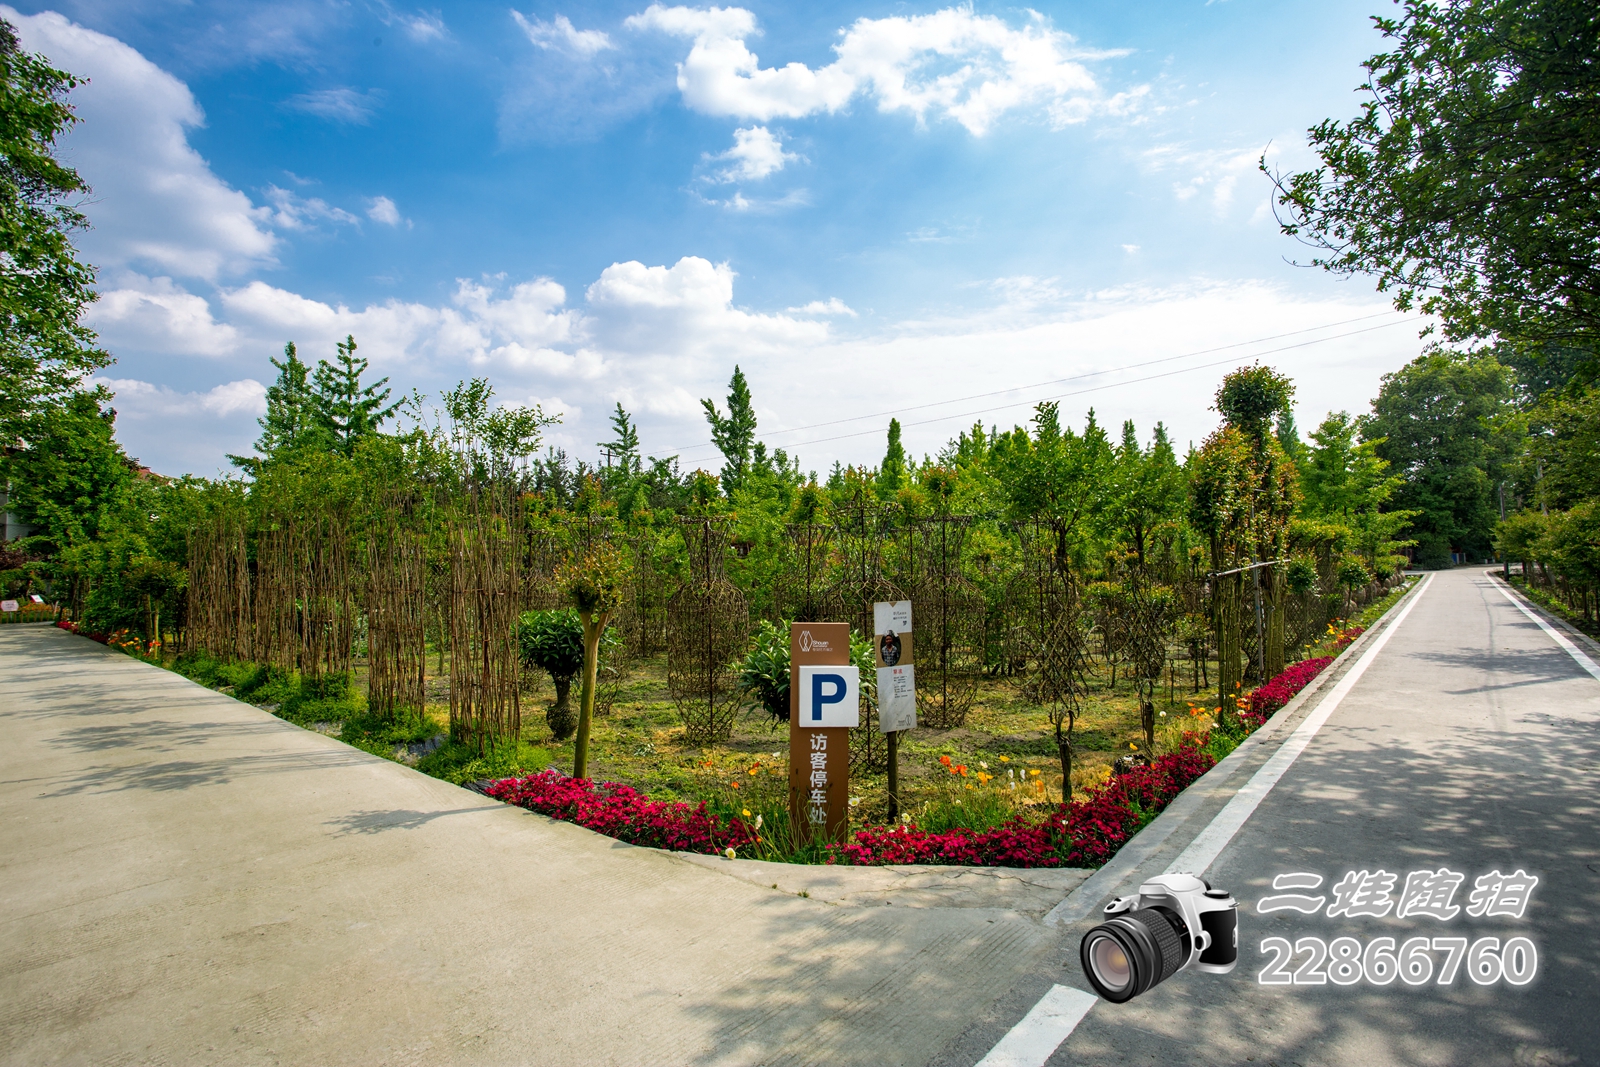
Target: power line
1132	381
1075	377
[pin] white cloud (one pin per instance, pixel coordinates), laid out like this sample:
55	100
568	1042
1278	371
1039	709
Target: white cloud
1214	175
953	63
382	209
339	105
154	313
559	34
156	202
755	154
293	212
424	26
245	397
1130	249
832	306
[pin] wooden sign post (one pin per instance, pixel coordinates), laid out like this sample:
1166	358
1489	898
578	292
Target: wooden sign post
897	684
823	706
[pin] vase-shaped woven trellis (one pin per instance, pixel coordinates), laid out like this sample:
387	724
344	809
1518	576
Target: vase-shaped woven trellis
948	618
708	623
396	596
804	591
485	597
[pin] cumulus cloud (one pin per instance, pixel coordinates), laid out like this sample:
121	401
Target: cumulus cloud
561	35
953	63
756	153
156	202
382	209
245	397
155	313
338	105
832	306
290	211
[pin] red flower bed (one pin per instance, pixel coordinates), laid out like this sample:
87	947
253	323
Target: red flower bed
624	813
1282	689
1084	833
72	628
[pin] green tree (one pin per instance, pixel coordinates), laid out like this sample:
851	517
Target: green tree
1147	491
595	585
892	472
70	476
1467	184
1347	483
622	450
346	409
45	349
1447	431
734	434
552	641
291	422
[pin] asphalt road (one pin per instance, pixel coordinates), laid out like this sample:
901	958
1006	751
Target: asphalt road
1470	744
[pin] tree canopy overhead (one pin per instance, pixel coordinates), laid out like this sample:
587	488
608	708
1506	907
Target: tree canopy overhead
1469	184
45	350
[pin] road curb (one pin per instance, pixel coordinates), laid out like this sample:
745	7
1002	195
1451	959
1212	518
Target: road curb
1216	784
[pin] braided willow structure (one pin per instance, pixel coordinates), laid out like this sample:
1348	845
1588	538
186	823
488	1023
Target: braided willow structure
486	592
396	601
219	597
708	623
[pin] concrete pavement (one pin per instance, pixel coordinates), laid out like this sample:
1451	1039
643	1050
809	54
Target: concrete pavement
185	880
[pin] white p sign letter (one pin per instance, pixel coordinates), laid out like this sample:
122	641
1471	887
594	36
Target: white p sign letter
830	696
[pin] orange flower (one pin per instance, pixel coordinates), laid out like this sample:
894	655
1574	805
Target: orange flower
945	760
961	769
756	768
734	784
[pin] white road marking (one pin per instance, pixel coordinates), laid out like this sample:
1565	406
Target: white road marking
1033	1040
1204	849
1555	635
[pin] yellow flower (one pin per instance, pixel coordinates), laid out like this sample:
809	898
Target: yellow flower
747	813
1005	759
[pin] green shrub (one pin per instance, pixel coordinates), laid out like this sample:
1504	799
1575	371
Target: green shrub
552	641
460	763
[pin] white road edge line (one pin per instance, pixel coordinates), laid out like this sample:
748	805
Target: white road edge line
1035	1039
1555	635
1204	849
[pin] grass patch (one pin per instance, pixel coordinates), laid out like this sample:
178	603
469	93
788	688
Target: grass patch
464	763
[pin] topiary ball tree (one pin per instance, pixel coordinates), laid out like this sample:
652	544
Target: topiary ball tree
595	585
552	641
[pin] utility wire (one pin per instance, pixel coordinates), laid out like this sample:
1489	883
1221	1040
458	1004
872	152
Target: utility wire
1072	378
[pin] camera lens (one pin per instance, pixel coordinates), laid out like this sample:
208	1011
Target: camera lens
1131	953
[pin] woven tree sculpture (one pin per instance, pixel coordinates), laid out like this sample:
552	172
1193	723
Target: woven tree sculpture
485	591
708	623
949	615
1153	616
396	597
1053	621
219	597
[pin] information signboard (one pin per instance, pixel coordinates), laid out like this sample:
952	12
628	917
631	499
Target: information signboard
819	729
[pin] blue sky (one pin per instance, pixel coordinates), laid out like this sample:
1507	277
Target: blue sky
872	208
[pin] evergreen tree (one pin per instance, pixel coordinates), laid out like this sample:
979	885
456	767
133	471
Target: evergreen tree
733	434
623	449
346	409
892	473
291	422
